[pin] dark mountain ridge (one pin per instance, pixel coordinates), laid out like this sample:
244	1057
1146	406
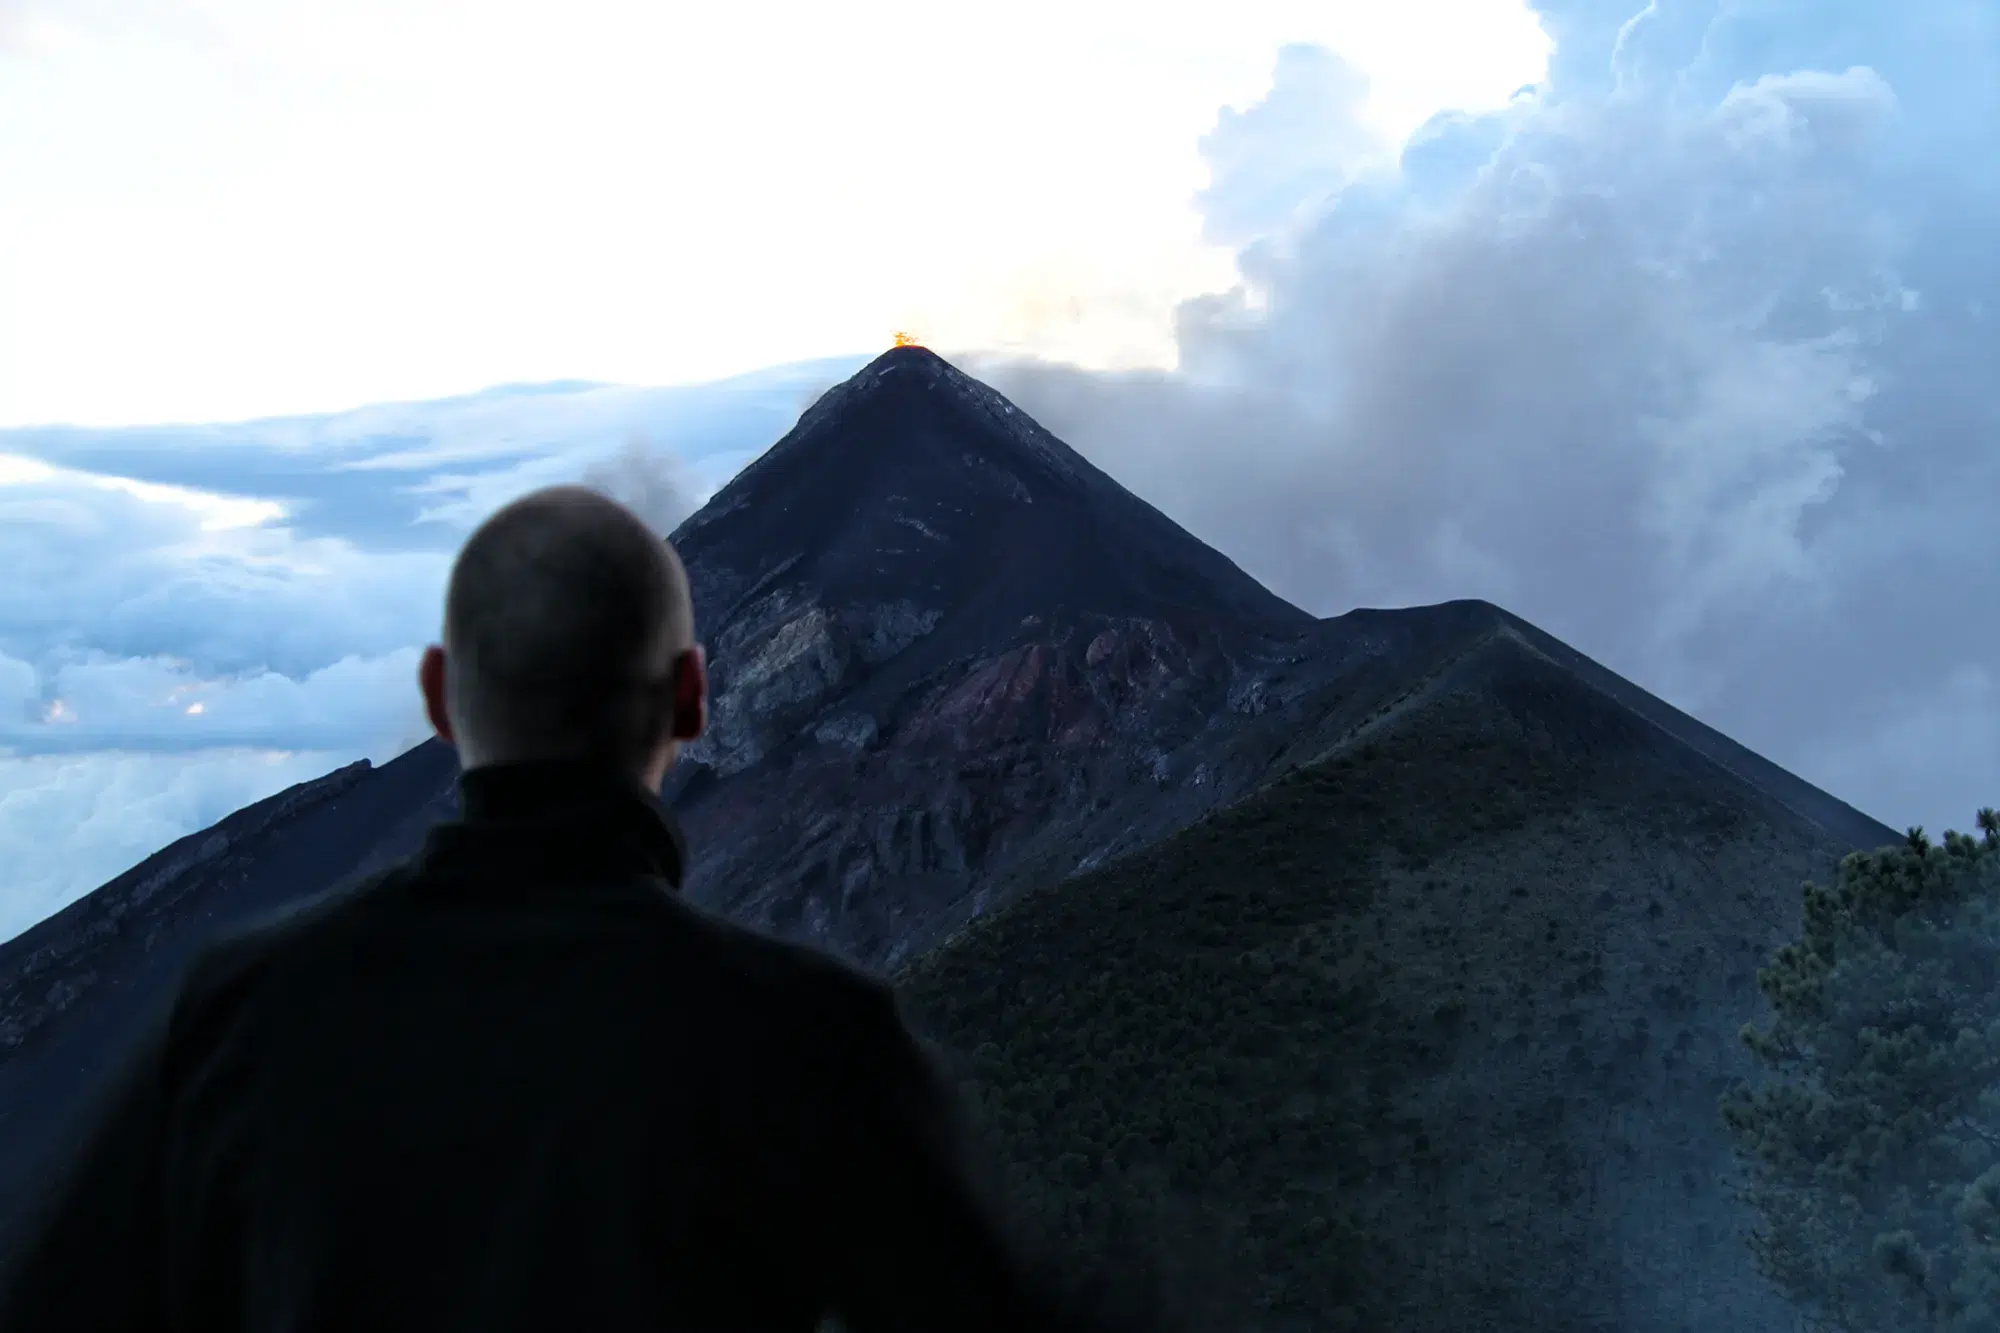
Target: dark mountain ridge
958	668
914	519
914	480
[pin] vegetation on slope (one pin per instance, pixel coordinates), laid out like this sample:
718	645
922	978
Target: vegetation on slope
1254	1017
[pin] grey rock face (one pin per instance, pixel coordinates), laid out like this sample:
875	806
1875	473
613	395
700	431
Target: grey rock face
853	731
889	629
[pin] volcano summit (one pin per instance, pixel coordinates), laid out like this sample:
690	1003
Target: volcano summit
1411	944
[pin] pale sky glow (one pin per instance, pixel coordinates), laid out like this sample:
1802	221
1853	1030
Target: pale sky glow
218	209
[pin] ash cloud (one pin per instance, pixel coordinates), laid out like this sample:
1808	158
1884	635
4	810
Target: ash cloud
650	481
1684	356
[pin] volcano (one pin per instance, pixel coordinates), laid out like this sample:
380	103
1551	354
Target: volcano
985	719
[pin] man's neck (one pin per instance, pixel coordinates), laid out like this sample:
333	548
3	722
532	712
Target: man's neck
576	762
577	806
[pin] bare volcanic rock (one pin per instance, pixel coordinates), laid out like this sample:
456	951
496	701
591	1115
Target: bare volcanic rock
915	522
934	626
919	495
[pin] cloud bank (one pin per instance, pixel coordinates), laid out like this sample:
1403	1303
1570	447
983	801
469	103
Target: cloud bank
197	617
1686	356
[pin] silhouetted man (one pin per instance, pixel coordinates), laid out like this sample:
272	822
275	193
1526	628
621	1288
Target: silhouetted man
517	1083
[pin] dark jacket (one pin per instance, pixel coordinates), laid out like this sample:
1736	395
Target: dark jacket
517	1083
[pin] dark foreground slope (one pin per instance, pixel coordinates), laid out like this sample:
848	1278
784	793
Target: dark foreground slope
1429	1031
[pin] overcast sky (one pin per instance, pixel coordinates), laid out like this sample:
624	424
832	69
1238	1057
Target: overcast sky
1674	333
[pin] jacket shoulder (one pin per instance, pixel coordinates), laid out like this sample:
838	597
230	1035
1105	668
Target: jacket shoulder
804	994
800	970
233	962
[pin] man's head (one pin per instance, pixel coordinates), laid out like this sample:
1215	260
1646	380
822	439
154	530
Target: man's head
568	633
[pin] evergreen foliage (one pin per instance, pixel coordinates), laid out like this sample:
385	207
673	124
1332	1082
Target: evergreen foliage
1872	1150
1328	1059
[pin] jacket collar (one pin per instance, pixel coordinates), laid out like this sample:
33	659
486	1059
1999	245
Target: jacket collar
558	818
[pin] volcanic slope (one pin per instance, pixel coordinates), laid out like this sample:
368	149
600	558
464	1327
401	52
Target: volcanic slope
1428	1032
914	483
942	642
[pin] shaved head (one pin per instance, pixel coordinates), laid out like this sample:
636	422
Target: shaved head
568	630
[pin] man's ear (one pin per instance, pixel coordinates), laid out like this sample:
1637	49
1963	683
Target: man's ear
430	679
691	694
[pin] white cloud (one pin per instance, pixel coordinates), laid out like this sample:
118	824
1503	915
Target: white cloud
69	822
1273	162
360	705
20	693
1840	109
1685	357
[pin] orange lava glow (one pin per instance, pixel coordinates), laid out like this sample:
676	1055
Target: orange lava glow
907	340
